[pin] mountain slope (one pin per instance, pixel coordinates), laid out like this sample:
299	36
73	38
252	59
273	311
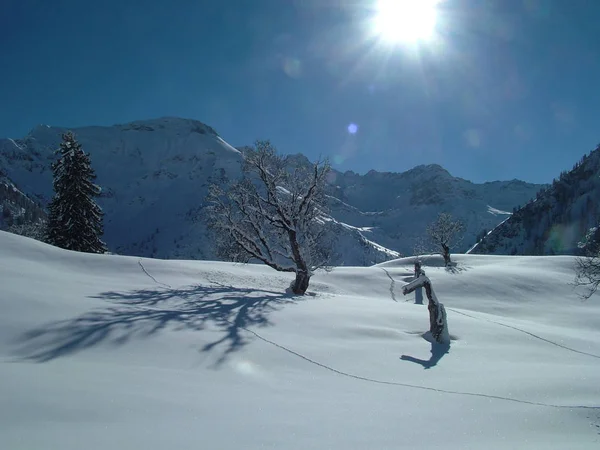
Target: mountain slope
120	352
556	220
18	212
397	207
155	175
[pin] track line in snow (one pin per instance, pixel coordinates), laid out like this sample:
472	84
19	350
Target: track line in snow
414	386
526	332
154	279
392	285
393	383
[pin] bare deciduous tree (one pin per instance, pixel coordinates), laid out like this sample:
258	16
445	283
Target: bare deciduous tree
588	274
445	232
273	214
588	266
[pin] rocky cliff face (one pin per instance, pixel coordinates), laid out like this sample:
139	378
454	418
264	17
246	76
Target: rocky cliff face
18	212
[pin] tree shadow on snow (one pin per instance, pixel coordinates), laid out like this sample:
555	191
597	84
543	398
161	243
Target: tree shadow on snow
456	268
143	313
437	353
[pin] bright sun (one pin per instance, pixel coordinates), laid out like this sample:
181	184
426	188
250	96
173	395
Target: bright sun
405	20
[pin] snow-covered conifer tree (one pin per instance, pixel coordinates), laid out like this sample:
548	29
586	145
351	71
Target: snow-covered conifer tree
74	218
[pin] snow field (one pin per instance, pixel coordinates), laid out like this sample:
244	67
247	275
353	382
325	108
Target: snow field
121	352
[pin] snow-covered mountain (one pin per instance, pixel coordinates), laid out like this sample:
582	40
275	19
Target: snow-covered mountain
556	220
155	174
397	207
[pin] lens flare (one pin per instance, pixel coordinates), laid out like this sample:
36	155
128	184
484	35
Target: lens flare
292	67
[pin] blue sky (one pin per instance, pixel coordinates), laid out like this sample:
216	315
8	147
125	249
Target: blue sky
505	89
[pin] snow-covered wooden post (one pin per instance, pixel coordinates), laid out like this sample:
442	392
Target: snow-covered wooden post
438	326
418	291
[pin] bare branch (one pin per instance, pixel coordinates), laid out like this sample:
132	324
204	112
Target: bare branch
588	267
588	274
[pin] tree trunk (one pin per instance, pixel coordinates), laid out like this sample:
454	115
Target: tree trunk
438	325
302	275
432	316
437	319
446	255
301	283
418	291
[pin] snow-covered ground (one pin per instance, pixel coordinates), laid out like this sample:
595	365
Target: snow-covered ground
102	352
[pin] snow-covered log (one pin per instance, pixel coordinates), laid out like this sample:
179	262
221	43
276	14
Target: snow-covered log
438	325
418	291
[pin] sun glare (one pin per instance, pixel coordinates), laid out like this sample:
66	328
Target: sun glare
405	20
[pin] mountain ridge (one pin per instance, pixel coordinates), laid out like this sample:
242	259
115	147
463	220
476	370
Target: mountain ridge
155	173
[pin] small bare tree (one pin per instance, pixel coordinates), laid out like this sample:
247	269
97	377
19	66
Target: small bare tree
588	266
588	274
445	233
273	214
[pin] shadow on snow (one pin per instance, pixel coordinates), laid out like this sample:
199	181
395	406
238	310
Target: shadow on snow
437	353
143	313
456	268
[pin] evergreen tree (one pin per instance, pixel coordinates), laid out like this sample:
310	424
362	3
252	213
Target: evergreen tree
74	218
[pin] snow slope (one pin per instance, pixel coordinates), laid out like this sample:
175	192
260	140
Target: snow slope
155	174
101	351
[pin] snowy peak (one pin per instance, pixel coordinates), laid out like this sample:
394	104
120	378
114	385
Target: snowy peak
298	160
427	171
173	124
